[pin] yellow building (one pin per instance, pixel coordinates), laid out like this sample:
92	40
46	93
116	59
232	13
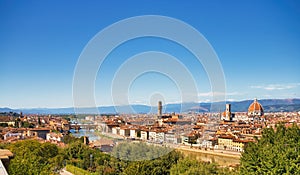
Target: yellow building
225	142
228	142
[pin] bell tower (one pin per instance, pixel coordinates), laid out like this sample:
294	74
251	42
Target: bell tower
159	107
228	112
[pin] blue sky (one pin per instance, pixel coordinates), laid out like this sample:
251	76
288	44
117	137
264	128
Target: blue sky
256	41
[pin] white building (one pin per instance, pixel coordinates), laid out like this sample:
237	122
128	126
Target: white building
170	138
54	137
134	133
152	136
160	137
124	131
18	135
144	135
115	130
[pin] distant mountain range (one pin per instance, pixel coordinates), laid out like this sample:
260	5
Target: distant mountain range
270	105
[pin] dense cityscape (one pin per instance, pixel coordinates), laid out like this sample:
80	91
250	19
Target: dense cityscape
224	134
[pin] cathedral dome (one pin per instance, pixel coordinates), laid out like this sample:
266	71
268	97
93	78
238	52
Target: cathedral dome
255	109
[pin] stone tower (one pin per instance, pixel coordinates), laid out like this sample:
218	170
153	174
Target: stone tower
159	109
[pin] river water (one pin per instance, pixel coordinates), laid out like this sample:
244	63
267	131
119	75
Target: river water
84	132
223	161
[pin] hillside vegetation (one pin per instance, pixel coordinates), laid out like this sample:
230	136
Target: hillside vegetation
277	152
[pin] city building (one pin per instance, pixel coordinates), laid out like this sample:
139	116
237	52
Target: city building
159	109
227	114
255	111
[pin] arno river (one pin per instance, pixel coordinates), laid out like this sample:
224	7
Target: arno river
221	160
83	132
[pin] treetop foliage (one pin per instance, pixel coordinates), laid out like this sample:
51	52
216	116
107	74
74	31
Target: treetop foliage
277	152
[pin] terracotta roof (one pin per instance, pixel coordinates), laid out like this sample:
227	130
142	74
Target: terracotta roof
6	119
226	137
255	106
39	129
171	120
242	141
103	142
197	127
125	127
224	114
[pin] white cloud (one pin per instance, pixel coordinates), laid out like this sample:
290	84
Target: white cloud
204	101
271	87
210	94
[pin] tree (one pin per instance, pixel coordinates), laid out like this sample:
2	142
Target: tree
192	139
32	157
186	166
68	139
160	165
3	124
26	124
277	152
